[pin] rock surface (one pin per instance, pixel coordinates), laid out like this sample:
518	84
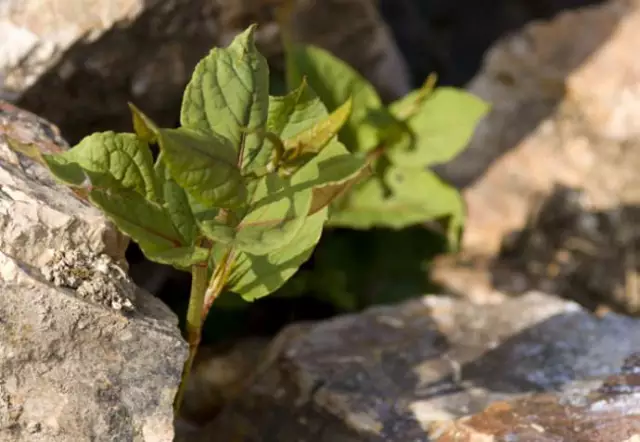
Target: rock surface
38	216
84	354
565	98
608	413
390	373
77	63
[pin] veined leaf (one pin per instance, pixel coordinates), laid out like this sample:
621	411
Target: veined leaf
108	159
318	135
335	82
277	211
203	164
229	92
254	276
416	196
294	117
148	224
442	124
176	204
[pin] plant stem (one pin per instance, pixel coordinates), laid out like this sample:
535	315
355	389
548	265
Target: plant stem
217	283
199	275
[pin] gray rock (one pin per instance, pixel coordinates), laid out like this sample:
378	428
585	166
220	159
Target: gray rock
388	374
78	62
37	215
73	370
84	354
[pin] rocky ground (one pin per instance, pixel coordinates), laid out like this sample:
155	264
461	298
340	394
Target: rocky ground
535	334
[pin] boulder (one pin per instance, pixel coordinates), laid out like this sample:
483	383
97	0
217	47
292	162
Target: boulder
85	355
564	95
392	373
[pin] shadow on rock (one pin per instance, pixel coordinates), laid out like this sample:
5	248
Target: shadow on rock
566	248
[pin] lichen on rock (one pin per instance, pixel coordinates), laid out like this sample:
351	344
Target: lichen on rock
95	277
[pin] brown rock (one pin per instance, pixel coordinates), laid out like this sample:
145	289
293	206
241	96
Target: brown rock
610	413
389	373
563	92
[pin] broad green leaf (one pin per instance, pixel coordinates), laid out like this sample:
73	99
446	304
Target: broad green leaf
335	82
277	211
203	164
177	205
108	159
148	224
415	196
229	92
254	277
443	125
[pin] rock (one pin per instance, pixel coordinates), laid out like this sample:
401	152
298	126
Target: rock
608	413
38	216
389	373
77	63
563	93
84	354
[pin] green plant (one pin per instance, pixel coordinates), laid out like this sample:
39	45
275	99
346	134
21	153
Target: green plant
427	127
238	194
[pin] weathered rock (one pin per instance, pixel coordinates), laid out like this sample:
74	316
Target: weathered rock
84	354
608	413
38	216
564	93
77	63
391	372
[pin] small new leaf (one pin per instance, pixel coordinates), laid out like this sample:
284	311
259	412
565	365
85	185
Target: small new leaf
335	82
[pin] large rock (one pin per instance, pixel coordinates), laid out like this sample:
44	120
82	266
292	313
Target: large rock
77	63
391	373
84	354
610	412
565	98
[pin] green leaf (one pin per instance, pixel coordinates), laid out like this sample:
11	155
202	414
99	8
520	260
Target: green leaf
108	159
301	115
335	82
203	164
177	204
254	276
229	91
144	127
148	224
277	211
406	197
442	124
313	139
